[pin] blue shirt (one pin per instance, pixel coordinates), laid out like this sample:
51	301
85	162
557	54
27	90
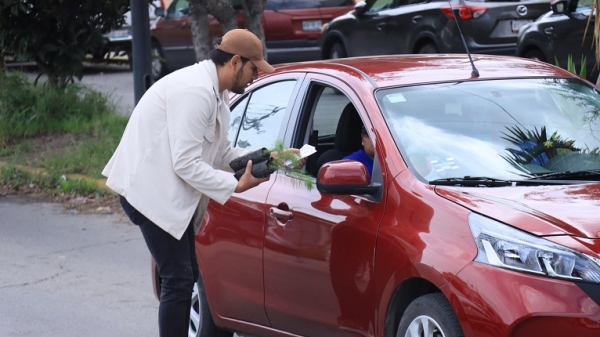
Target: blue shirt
362	157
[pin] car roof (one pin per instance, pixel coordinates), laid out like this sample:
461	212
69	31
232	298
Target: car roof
399	70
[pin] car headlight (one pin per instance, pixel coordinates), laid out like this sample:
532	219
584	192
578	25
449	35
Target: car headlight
507	247
324	27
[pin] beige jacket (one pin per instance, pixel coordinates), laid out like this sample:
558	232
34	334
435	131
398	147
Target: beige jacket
167	162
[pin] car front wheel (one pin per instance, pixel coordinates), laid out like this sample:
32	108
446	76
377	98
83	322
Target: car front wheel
337	51
159	67
430	315
535	54
201	321
428	48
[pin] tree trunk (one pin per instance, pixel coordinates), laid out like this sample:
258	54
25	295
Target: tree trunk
223	11
200	33
253	14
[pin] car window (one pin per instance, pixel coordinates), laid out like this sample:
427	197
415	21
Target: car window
178	8
237	113
291	4
504	129
263	115
328	110
584	6
380	5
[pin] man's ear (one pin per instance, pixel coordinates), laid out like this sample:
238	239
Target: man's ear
236	62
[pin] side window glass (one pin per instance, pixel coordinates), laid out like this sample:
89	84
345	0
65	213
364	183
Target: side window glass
380	5
237	113
178	9
328	111
291	4
264	114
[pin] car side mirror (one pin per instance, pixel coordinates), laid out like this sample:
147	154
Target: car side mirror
560	7
159	11
360	7
345	177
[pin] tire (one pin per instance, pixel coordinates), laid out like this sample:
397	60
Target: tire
337	51
159	67
428	48
201	321
430	315
535	54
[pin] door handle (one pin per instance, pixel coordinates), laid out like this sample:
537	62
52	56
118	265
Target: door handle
417	18
280	214
184	25
381	26
549	30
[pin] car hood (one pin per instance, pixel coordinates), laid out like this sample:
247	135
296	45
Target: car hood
547	210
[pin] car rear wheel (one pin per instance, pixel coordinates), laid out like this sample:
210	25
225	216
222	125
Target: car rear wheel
159	67
430	315
201	321
428	48
337	51
535	54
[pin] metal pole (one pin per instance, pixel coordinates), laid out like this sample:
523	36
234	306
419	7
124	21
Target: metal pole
141	48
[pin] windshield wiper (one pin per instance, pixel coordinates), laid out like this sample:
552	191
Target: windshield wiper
568	175
473	181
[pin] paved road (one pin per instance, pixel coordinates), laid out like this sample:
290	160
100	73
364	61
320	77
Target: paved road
72	275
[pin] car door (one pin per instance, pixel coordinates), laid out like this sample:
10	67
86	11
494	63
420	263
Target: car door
230	239
319	248
370	33
175	36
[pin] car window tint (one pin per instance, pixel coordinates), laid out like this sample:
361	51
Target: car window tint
380	5
584	6
237	113
264	115
291	4
178	8
328	111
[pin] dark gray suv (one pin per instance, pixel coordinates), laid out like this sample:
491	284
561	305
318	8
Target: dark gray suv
377	27
560	33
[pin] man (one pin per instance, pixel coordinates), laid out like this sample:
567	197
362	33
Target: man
165	168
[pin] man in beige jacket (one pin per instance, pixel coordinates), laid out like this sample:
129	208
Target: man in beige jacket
166	167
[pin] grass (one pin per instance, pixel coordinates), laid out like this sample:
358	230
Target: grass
30	115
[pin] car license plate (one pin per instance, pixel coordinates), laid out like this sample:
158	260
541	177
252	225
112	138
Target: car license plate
517	24
119	33
312	25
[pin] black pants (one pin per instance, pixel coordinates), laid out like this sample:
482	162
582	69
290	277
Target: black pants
178	270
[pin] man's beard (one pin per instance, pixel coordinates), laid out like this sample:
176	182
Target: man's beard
238	87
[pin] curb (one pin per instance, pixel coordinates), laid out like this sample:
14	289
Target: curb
98	183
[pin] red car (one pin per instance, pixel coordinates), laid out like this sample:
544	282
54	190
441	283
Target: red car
292	31
480	217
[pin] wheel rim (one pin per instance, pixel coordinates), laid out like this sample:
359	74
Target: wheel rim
156	64
195	313
335	54
424	326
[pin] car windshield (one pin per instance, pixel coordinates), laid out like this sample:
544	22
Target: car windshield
504	129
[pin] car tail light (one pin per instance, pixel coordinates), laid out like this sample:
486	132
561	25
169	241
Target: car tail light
464	12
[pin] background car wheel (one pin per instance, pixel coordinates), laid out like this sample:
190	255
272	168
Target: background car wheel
430	315
159	67
535	54
428	48
201	321
337	51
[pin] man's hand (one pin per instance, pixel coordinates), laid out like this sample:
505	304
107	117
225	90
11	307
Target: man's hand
247	180
301	162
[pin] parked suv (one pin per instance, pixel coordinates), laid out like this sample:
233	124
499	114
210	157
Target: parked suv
377	27
560	33
292	30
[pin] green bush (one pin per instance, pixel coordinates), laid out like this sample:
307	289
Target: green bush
28	110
